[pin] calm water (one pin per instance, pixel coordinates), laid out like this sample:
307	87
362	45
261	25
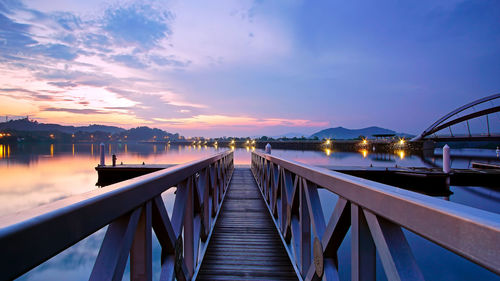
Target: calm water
32	175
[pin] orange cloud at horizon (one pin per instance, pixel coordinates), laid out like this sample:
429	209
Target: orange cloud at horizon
204	122
112	118
85	105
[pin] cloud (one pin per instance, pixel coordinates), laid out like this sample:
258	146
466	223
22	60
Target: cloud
129	60
98	42
169	61
13	35
63	84
205	122
68	21
32	95
56	51
137	24
74	110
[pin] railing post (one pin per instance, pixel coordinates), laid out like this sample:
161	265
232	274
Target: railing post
141	268
362	247
305	234
189	229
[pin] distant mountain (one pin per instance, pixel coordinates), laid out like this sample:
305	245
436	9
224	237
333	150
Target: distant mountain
146	133
344	133
34	131
290	135
31	126
100	128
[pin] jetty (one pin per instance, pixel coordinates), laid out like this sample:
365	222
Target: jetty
262	221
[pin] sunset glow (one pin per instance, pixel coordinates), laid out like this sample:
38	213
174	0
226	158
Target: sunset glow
242	68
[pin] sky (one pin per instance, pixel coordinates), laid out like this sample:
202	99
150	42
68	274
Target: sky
246	68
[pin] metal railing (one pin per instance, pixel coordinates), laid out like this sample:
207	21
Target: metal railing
375	213
132	209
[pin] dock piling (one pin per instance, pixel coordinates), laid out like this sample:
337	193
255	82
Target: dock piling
446	159
102	162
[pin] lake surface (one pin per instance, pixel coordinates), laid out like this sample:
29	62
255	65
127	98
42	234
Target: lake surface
36	174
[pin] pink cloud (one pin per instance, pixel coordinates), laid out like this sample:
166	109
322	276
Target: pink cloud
206	122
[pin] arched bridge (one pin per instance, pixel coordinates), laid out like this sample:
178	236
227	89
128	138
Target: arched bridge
478	120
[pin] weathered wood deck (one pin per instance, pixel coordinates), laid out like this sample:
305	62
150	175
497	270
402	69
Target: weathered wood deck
245	244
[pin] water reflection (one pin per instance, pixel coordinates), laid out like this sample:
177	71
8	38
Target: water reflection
4	151
364	152
400	153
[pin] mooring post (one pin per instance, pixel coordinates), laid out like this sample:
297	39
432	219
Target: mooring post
102	163
446	159
268	148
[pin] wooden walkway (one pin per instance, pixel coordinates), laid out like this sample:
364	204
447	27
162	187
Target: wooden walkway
245	244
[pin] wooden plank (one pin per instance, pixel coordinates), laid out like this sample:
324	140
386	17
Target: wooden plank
245	244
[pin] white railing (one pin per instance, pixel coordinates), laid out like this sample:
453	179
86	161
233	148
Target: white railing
131	209
375	213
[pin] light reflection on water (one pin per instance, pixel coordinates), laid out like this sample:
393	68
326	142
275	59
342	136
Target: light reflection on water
32	175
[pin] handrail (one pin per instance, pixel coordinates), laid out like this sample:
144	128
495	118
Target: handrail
131	208
375	213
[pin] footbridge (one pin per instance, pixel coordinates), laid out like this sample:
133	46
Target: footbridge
259	222
478	120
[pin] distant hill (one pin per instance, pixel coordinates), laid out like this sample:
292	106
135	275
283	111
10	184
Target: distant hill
34	131
290	135
146	133
27	125
344	133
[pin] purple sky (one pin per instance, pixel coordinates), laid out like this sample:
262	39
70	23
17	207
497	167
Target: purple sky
245	68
